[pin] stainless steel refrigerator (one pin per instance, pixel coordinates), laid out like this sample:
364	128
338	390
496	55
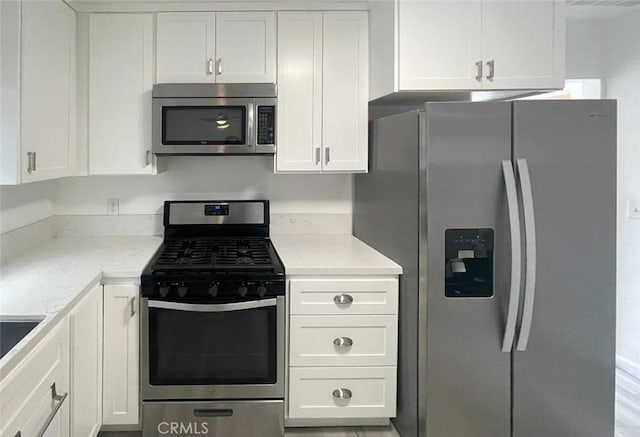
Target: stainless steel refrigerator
502	215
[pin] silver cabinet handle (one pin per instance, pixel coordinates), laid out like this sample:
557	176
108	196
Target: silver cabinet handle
516	261
492	69
147	157
59	399
343	299
317	155
327	154
343	342
479	71
342	393
30	168
35	161
132	306
210	67
530	252
219	66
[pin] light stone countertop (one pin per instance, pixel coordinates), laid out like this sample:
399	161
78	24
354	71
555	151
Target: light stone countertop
341	254
50	279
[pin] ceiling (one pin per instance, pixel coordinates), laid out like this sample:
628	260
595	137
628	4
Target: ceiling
600	9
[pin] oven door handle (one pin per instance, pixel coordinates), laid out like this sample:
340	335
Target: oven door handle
213	308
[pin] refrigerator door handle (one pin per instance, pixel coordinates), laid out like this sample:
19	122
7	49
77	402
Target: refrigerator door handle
516	261
530	253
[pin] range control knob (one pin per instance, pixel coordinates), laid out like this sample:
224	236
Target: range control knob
262	290
213	290
242	290
182	290
163	290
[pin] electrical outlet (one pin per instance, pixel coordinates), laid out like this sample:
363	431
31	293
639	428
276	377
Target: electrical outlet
113	207
633	209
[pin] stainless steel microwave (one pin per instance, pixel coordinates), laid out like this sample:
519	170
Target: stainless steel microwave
214	119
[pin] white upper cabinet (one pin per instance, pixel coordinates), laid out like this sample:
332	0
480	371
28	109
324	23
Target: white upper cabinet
299	118
345	72
441	43
438	45
246	47
186	47
38	112
222	47
525	42
120	83
322	92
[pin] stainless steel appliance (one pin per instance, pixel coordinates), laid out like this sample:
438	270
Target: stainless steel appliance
214	119
212	319
503	218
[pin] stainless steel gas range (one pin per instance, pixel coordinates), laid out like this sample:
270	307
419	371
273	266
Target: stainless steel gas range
213	324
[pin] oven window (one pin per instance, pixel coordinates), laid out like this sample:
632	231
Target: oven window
204	125
210	348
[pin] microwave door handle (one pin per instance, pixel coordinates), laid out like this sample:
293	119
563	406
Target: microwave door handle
251	124
213	308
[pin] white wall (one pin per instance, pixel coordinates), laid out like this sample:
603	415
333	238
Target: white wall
585	49
208	177
25	204
622	82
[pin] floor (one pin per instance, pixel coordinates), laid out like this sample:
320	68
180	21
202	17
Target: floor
627	405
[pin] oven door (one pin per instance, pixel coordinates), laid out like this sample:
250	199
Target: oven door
194	351
203	126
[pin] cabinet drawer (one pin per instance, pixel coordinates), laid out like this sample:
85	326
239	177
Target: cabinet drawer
344	296
315	392
343	341
25	393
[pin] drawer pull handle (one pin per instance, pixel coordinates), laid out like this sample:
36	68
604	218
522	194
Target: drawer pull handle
343	299
343	342
56	398
342	393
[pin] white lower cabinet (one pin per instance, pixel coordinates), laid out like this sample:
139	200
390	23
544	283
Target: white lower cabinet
343	342
120	396
342	392
38	389
85	321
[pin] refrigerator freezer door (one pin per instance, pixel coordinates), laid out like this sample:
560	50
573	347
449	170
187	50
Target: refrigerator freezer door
468	389
563	383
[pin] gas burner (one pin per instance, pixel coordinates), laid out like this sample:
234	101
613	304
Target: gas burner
211	253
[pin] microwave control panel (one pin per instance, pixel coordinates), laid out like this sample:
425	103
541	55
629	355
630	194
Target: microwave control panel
266	124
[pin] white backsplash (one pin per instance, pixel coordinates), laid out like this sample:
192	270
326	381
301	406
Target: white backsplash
151	224
19	240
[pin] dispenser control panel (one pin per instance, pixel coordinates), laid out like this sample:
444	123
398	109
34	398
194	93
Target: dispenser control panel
468	263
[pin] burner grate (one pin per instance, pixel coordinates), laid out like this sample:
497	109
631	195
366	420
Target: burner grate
219	255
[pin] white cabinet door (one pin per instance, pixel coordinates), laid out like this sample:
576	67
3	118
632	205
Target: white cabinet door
121	363
345	78
299	129
186	47
85	321
246	47
439	44
27	394
120	83
48	89
525	42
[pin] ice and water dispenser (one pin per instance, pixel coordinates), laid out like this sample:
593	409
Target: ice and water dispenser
469	262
